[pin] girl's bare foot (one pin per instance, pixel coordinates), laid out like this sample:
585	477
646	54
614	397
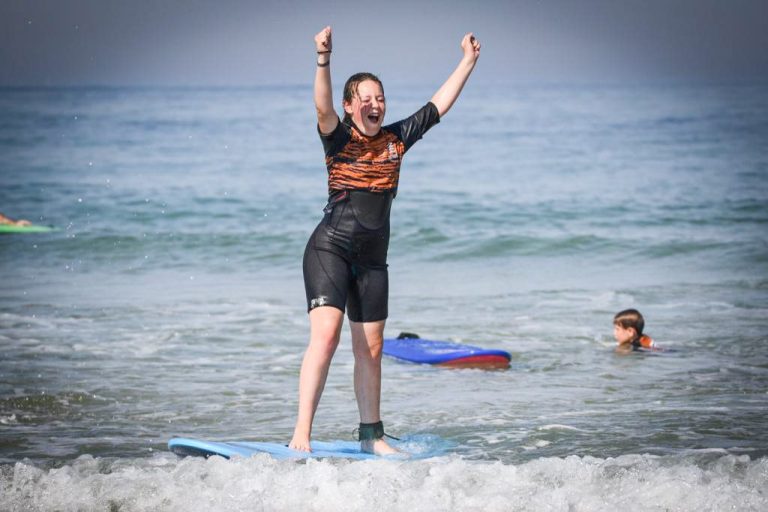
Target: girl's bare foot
378	447
300	443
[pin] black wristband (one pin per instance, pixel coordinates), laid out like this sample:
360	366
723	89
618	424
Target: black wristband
327	63
324	51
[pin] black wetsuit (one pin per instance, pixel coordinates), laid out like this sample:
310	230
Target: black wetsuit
345	261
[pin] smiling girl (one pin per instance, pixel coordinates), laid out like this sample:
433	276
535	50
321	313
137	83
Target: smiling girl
345	261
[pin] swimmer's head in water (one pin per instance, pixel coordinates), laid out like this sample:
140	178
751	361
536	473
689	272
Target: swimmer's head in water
628	326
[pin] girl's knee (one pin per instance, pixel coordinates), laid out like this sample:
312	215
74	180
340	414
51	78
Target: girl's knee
325	344
368	350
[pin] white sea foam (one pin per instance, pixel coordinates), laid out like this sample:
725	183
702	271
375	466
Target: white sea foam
560	427
630	483
8	419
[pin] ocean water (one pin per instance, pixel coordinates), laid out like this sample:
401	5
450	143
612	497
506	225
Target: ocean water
169	301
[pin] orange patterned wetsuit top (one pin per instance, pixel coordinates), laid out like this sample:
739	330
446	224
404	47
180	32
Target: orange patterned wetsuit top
646	343
355	161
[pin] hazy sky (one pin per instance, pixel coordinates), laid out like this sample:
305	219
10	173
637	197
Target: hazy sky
239	42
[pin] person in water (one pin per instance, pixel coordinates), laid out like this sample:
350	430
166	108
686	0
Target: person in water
10	222
345	260
628	328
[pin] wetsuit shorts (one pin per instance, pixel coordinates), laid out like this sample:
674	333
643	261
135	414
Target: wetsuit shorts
345	261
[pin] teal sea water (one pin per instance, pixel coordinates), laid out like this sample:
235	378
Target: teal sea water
169	301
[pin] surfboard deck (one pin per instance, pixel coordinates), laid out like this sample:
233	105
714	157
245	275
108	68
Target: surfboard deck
411	348
13	228
414	447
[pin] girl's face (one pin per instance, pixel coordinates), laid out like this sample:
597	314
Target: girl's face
367	107
623	335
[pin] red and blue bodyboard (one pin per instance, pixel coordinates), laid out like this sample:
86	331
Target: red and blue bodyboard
409	347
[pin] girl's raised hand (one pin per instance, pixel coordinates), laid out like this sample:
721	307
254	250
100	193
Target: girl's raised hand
323	40
471	46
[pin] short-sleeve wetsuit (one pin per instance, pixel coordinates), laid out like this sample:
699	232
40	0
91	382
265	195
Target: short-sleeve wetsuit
345	261
646	343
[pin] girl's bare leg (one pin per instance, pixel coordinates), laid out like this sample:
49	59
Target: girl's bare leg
367	344
325	329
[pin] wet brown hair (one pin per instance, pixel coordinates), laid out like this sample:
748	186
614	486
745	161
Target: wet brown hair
630	318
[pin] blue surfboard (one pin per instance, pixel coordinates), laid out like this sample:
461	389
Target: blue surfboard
413	447
410	347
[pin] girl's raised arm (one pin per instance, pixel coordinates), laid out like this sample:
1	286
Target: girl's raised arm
326	116
449	91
